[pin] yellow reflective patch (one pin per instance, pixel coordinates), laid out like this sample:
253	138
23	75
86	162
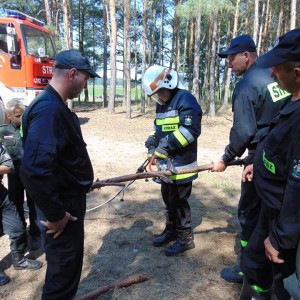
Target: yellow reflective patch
276	92
181	176
169	127
174	120
181	139
160	155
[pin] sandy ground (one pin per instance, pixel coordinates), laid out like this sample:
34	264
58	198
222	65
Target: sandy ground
119	234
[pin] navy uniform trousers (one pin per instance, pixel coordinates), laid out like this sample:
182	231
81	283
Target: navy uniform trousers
64	254
175	197
16	195
248	208
258	269
13	226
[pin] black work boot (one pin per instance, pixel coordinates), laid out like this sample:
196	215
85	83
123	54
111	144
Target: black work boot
233	274
4	279
249	293
185	241
21	263
168	235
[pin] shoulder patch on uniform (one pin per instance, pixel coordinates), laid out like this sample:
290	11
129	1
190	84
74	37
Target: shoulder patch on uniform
188	120
276	92
296	169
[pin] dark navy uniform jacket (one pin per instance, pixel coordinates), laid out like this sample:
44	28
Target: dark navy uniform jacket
255	101
55	164
277	176
176	128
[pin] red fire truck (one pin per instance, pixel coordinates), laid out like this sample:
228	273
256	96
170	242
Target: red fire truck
26	57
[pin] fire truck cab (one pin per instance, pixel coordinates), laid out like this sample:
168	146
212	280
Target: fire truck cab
27	52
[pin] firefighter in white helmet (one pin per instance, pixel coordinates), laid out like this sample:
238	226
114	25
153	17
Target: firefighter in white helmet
173	142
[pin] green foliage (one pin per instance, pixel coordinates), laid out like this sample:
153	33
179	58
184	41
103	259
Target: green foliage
193	8
31	8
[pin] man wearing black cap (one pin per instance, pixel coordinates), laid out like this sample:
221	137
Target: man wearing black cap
276	171
256	99
57	172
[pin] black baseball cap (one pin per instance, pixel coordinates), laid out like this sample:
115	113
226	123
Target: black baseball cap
239	44
69	59
287	49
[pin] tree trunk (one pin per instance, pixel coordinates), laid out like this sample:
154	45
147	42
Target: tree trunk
280	19
264	40
195	89
127	93
94	51
149	53
86	95
56	14
48	13
234	31
191	52
293	14
66	23
258	45
124	59
113	65
185	46
152	32
135	55
70	19
81	26
212	105
144	42
161	35
226	78
217	63
176	33
246	16
105	54
256	23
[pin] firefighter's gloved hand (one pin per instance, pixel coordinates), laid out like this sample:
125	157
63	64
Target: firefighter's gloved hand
161	158
160	153
151	142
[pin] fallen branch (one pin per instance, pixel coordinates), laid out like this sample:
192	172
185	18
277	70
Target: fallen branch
112	181
112	184
123	283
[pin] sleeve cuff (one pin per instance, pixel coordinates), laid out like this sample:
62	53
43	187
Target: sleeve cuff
273	242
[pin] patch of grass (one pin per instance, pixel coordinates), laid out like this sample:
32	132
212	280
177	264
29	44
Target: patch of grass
232	212
119	90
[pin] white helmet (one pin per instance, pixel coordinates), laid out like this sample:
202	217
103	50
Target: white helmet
158	77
